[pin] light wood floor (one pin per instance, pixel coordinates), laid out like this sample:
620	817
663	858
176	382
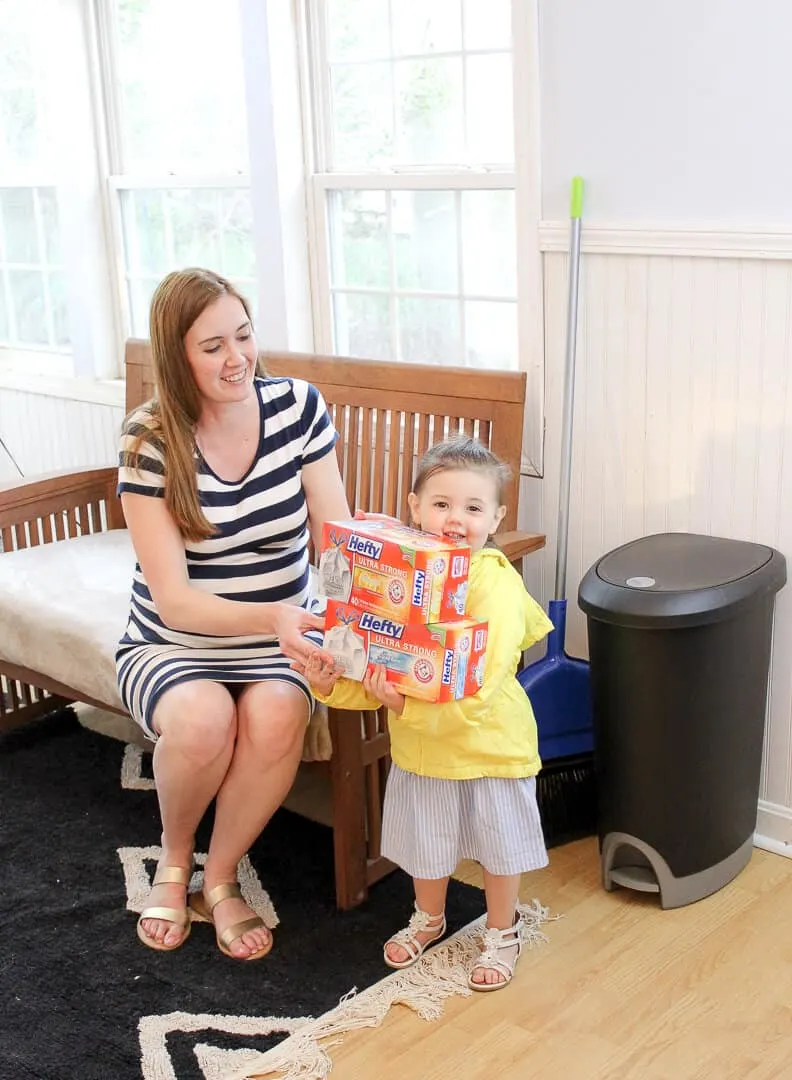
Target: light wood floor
623	991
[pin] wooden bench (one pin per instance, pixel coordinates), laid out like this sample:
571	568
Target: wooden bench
386	414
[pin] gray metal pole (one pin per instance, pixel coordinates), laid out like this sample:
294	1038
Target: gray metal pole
569	391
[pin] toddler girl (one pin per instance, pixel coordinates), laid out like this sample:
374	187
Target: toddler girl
462	782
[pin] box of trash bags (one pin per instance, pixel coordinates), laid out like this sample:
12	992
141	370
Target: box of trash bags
396	597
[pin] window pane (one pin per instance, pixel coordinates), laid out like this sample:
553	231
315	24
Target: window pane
19	225
140	291
490	124
491	333
237	252
357	29
183	54
48	205
60	309
362	326
429	124
195	225
16	59
19	126
359	239
489	252
145	243
424	26
488	24
425	240
188	227
27	296
362	110
429	331
5	329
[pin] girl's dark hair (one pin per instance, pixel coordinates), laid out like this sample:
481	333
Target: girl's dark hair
462	452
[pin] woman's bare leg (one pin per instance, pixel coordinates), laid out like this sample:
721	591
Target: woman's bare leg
197	725
271	722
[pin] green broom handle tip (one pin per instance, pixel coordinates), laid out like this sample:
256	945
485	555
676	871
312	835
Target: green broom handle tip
576	205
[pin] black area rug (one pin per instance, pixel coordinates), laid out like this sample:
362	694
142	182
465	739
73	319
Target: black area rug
80	997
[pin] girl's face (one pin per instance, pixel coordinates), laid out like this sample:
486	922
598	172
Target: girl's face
221	351
461	504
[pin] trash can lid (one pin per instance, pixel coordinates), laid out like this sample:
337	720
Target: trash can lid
670	562
686	578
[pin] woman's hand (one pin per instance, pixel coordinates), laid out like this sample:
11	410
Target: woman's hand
321	676
375	683
364	515
291	623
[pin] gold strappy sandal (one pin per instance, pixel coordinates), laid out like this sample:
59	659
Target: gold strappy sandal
171	875
204	904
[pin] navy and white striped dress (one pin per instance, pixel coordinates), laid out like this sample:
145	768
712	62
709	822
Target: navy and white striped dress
258	554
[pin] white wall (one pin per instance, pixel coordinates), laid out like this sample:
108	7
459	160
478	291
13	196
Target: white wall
673	111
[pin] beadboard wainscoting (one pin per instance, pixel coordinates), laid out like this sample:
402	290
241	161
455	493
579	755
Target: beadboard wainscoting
683	422
43	433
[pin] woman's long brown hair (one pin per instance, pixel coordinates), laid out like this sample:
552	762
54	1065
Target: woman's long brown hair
178	301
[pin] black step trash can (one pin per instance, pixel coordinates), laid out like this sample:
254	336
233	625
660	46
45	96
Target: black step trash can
679	629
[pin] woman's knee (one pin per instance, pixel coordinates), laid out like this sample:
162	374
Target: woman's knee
198	718
273	717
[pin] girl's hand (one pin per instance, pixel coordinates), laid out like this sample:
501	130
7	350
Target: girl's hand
291	623
321	676
376	684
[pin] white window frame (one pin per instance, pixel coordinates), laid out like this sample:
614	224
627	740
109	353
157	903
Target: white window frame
524	179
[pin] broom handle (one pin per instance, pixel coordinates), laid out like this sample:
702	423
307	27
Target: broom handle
569	389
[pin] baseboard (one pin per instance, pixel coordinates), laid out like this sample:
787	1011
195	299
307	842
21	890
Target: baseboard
774	829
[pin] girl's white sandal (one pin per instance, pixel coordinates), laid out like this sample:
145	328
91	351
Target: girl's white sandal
420	922
497	942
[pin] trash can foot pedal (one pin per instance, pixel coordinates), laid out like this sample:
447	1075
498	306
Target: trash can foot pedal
621	856
635	877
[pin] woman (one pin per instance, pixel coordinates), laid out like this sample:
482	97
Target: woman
222	477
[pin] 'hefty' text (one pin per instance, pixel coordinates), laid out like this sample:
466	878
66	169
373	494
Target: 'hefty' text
364	545
380	625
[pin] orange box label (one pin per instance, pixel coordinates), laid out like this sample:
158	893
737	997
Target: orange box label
378	566
437	662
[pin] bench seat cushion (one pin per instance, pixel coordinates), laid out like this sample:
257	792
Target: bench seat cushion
63	608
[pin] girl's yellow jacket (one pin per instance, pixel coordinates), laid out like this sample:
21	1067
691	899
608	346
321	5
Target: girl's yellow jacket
492	733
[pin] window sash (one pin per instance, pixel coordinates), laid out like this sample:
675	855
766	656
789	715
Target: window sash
524	177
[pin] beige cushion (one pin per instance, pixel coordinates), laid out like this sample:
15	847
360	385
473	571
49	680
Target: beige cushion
63	608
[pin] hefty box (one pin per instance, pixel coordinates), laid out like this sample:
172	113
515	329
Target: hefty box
438	662
382	566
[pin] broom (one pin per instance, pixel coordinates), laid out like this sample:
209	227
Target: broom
558	685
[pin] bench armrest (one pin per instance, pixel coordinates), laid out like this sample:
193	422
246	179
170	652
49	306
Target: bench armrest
74	502
515	544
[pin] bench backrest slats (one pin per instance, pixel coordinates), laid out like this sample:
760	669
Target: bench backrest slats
387	414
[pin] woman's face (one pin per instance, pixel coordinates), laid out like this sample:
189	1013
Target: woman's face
221	351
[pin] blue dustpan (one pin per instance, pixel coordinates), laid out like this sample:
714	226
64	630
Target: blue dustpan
558	689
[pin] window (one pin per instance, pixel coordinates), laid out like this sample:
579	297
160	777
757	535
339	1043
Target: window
33	306
178	151
414	180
